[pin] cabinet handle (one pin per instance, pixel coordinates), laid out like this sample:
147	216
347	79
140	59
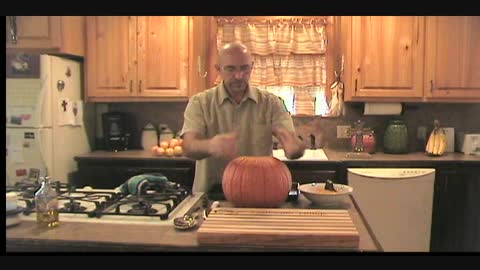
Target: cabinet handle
131	86
140	86
13	29
431	85
200	68
356	85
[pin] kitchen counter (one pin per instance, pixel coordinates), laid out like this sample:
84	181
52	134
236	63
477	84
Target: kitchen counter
130	155
334	156
105	169
81	237
341	156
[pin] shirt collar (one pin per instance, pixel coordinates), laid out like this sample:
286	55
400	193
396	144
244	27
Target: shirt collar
222	95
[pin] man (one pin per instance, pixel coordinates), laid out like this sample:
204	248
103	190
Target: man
234	119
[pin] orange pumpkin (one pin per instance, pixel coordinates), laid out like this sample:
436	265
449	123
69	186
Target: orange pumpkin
256	182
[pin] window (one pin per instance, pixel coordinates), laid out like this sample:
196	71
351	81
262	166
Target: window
290	56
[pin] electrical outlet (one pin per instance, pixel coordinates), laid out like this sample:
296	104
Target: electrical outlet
343	132
421	133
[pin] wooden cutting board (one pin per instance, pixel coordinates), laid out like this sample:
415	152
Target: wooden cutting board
278	227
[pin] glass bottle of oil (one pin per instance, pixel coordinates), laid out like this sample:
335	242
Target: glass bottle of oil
46	202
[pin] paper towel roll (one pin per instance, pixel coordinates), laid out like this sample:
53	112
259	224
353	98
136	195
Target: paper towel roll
381	108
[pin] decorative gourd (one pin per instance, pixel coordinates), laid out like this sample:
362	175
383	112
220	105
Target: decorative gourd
256	182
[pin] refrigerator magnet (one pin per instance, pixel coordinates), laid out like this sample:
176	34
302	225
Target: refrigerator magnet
20	172
34	174
29	135
17	120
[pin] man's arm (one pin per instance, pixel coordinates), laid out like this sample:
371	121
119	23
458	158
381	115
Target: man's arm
284	131
220	146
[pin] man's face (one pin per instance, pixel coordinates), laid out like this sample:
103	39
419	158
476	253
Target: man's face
235	68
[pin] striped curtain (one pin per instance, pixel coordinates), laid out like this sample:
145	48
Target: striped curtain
286	52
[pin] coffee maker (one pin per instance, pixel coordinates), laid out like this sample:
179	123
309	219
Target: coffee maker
116	131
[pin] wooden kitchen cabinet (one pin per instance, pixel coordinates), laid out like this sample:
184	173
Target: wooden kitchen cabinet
411	58
111	173
452	58
313	172
46	34
386	58
145	58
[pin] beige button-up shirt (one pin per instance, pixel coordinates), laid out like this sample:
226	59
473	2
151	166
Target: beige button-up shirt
213	112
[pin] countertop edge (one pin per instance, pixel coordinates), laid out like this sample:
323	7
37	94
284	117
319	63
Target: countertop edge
334	157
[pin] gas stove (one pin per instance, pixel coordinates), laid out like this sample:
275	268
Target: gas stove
155	206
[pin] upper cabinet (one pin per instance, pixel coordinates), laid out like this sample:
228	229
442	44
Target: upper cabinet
410	58
144	58
111	56
49	34
387	57
452	58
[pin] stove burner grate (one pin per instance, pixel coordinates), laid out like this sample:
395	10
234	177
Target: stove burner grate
106	202
72	207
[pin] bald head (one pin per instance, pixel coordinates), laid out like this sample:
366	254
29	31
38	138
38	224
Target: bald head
235	66
235	49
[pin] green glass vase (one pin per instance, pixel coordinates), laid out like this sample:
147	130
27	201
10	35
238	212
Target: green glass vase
395	140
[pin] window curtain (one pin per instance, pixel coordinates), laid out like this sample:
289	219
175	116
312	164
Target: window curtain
286	52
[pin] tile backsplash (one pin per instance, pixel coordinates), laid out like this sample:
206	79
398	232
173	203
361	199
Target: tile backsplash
462	117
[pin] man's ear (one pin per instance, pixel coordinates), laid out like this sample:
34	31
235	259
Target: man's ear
217	67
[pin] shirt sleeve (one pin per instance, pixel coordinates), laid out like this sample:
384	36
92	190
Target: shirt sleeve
194	119
280	115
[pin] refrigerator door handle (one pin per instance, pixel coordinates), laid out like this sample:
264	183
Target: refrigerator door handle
13	29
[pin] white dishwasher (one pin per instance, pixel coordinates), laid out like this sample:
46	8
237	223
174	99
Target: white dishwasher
397	204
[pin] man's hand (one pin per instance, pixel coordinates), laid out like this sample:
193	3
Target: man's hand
292	146
224	146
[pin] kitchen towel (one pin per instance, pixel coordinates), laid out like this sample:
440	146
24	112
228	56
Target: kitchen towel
382	108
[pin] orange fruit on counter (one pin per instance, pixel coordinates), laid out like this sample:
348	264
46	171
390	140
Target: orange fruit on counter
169	152
154	149
178	150
160	151
164	145
173	143
180	142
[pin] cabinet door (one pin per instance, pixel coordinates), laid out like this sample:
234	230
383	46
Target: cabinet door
312	176
452	58
199	36
100	176
34	32
456	218
111	56
111	175
387	57
163	56
183	176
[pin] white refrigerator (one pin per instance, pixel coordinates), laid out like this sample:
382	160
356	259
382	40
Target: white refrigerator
44	121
